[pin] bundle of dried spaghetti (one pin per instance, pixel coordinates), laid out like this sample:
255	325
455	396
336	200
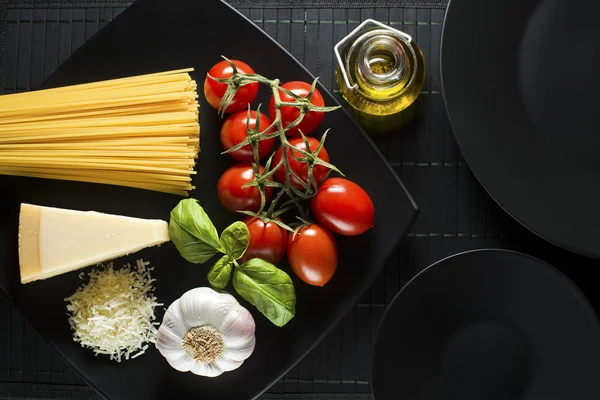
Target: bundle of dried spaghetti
140	131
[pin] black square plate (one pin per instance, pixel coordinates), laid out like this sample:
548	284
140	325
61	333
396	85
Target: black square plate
156	35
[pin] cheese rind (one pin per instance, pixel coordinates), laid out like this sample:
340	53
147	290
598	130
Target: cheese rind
53	241
29	229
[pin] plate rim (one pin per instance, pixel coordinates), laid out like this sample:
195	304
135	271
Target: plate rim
540	264
573	249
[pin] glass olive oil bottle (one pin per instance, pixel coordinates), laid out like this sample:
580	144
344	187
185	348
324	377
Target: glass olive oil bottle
380	72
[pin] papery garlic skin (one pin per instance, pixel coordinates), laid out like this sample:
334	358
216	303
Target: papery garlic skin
200	307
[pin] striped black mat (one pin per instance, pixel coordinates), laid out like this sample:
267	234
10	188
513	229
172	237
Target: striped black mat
456	213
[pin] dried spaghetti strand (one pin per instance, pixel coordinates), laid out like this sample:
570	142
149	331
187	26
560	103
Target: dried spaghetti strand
140	131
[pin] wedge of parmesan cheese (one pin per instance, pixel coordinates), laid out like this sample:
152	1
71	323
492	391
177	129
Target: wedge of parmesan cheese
53	241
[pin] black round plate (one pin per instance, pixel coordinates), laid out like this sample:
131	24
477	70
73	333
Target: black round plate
488	324
520	80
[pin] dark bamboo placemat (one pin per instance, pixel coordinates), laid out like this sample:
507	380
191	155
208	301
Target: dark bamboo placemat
456	213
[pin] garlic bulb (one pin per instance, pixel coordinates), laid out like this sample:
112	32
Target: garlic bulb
206	332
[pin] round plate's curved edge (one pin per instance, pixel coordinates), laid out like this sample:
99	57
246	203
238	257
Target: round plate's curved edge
350	300
466	157
535	261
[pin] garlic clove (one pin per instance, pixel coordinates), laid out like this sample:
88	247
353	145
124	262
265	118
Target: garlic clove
180	361
227	364
224	303
168	341
239	353
206	369
204	306
173	320
237	327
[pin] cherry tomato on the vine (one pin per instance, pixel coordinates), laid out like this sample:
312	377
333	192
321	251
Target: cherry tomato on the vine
267	240
233	196
313	254
343	207
214	90
301	168
234	132
290	113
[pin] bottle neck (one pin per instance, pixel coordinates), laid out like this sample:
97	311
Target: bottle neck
382	61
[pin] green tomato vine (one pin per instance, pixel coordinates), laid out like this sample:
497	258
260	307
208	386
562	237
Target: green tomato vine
295	196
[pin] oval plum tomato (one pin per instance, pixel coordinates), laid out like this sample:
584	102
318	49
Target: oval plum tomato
267	240
234	132
214	90
233	196
313	254
343	207
301	168
290	113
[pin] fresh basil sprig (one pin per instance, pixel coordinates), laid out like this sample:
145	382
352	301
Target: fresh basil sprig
220	273
259	282
267	288
234	240
193	233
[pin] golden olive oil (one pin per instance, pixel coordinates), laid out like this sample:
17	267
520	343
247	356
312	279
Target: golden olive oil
380	72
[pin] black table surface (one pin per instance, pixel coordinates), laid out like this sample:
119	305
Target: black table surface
456	213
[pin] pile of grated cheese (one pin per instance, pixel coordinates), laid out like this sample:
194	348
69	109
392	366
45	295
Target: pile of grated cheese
113	313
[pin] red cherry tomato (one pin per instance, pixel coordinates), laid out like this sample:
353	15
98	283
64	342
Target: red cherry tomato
313	254
301	168
267	240
214	90
233	196
343	207
234	132
289	113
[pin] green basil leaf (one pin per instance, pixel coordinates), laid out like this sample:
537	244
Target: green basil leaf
234	239
219	274
192	232
267	288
